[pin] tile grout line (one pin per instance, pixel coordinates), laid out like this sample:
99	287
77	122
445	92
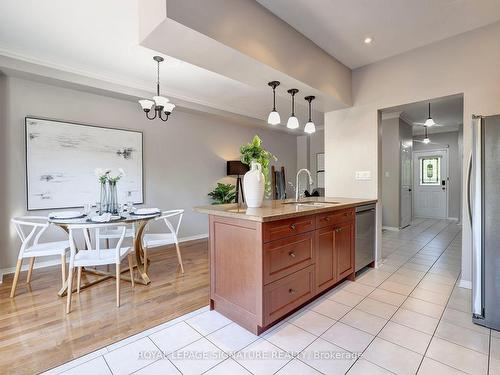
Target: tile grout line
352	308
388	320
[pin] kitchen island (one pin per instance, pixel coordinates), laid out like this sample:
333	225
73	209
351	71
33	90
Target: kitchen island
266	262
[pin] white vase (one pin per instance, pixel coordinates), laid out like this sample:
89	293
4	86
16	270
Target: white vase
253	186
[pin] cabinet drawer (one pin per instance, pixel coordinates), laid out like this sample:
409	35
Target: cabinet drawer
334	217
288	227
288	293
288	255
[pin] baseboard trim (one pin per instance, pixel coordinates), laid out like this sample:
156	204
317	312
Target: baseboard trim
465	284
392	229
453	218
55	262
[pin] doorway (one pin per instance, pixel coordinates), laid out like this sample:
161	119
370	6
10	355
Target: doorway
421	162
430	184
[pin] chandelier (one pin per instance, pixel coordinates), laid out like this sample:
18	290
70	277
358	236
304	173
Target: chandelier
159	104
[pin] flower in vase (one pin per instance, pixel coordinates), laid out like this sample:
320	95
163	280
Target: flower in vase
113	178
102	174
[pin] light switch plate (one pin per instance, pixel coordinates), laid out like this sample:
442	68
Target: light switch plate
363	175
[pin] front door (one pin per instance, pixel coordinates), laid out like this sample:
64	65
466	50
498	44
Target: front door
430	184
405	194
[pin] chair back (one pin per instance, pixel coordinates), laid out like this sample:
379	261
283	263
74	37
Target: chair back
29	230
86	231
169	216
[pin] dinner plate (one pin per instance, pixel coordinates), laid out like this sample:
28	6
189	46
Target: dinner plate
146	212
66	215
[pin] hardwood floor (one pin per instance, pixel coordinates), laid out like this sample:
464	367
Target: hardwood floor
36	334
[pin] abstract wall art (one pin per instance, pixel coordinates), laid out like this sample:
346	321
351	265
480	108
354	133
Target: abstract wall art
61	158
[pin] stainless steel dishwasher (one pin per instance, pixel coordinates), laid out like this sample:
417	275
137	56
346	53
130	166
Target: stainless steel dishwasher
365	235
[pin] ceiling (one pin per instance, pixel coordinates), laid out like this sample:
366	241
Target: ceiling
100	39
396	26
447	112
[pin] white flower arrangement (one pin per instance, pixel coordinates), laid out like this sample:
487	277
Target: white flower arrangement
113	178
104	175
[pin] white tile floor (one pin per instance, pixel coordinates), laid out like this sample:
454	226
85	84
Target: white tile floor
408	316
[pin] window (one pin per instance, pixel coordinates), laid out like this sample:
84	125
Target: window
430	170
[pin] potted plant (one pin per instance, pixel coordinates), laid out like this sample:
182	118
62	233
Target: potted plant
223	193
256	182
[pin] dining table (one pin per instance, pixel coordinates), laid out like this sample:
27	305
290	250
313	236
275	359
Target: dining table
138	222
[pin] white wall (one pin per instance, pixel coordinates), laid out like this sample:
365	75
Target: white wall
183	158
454	164
468	64
308	146
390	172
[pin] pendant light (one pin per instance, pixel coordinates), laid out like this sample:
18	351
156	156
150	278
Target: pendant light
310	127
426	137
274	116
429	121
293	122
159	104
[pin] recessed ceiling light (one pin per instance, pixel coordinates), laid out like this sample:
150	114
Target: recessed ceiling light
368	40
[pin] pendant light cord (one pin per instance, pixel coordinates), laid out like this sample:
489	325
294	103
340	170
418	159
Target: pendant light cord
293	104
158	79
274	99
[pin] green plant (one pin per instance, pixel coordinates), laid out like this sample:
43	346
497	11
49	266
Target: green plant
223	193
254	152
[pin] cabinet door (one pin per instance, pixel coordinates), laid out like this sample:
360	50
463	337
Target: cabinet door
326	259
344	247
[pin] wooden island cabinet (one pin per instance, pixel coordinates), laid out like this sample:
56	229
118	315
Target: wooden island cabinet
267	262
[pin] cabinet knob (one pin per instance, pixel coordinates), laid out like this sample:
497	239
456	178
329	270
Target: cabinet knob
291	254
292	226
291	291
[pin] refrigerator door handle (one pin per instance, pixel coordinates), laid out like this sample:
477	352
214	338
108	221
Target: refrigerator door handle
469	203
476	205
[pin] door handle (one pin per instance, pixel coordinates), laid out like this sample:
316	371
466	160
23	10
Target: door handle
469	173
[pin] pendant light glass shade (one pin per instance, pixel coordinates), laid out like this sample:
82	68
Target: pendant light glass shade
146	104
293	123
310	128
273	118
168	108
429	122
160	101
426	140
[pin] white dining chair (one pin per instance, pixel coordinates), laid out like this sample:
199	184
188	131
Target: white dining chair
151	240
94	255
30	229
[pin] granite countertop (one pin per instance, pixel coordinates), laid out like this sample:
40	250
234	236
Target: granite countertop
278	209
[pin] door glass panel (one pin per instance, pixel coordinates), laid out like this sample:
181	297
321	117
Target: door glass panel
430	170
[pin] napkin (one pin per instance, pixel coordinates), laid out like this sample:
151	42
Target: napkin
146	211
104	218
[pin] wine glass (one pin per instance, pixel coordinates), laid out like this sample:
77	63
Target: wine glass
87	208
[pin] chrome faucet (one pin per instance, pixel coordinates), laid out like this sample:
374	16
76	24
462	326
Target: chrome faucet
297	182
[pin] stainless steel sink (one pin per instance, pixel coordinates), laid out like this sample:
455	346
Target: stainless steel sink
312	203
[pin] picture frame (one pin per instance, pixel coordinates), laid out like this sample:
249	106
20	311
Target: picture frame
61	158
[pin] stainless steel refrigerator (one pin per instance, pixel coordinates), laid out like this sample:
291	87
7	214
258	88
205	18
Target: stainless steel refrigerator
484	213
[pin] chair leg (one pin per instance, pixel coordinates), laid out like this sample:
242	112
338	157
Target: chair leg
16	277
78	279
118	285
30	269
70	289
131	268
63	268
179	257
145	251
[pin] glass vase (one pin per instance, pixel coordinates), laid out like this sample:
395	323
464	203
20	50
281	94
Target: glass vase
103	199
112	198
